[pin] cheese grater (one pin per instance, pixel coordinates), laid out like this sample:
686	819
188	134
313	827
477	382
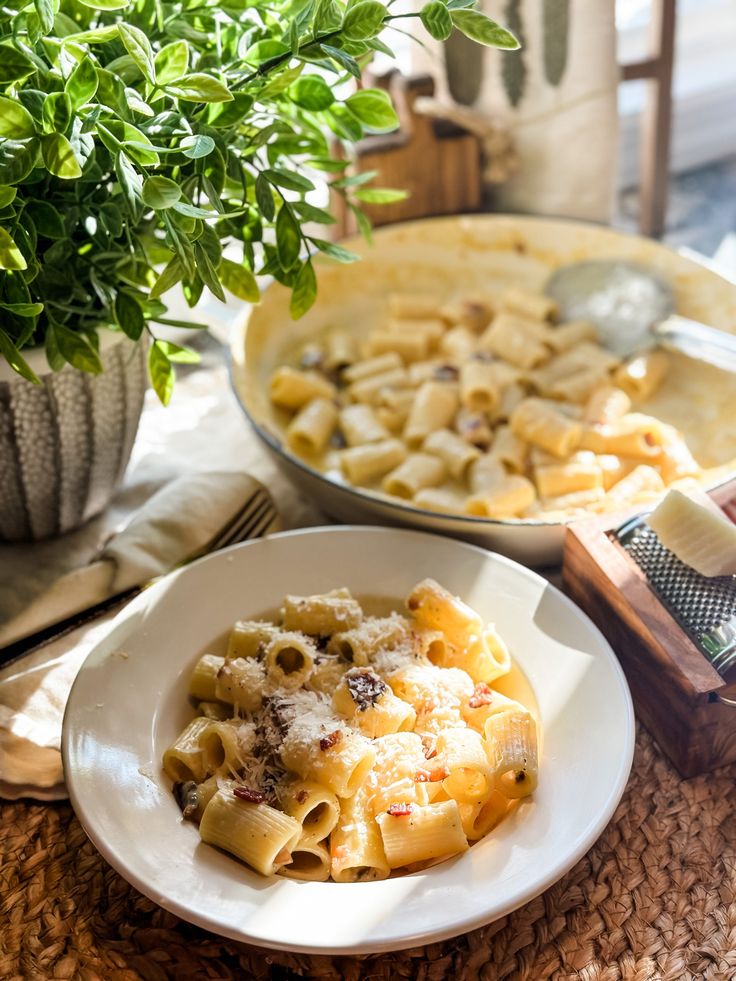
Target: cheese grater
704	607
672	630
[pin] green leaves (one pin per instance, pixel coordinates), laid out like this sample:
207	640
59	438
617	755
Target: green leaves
16	123
160	193
10	255
312	92
379	195
304	291
138	47
239	280
171	62
14	65
436	19
59	158
57	112
482	29
160	372
82	83
288	237
105	4
200	88
373	107
15	359
364	20
77	350
129	315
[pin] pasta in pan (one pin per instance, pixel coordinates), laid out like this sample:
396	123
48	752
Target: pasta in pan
340	745
437	387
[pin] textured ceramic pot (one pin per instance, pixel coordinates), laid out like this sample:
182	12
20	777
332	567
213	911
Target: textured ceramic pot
64	444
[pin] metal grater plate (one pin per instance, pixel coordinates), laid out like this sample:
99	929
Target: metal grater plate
704	607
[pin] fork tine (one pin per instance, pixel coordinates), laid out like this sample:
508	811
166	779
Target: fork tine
235	523
258	517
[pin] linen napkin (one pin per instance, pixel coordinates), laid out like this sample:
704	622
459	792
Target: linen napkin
176	524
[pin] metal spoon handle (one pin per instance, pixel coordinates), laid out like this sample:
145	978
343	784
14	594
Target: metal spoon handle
698	341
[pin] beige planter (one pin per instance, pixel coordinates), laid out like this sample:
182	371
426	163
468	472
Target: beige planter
65	444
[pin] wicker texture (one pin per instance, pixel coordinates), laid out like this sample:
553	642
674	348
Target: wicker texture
654	900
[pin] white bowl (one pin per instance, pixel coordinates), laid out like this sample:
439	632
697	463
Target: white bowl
130	700
442	256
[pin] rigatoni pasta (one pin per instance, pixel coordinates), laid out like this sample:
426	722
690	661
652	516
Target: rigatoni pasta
348	746
469	377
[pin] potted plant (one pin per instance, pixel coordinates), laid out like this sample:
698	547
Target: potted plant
136	139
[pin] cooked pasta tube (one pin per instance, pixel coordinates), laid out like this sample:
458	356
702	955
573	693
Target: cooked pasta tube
225	745
323	614
480	390
440	500
184	759
606	405
470	776
524	303
538	423
485	473
359	425
569	335
326	673
362	464
642	481
340	759
632	435
310	430
393	420
675	461
507	499
479	819
473	427
456	454
315	807
214	710
369	389
578	386
291	389
203	681
359	645
399	771
369	367
614	468
205	792
577	501
514	339
256	833
241	682
341	350
418	470
433	645
412	306
512	749
356	845
485	702
367	702
310	862
414	834
289	658
434	408
641	377
430	328
409	346
509	449
435	693
458	343
511	395
434	608
248	638
579	472
487	658
473	312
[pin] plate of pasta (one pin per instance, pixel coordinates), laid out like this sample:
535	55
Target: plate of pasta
433	384
347	739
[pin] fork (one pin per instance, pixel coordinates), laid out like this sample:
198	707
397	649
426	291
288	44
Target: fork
256	517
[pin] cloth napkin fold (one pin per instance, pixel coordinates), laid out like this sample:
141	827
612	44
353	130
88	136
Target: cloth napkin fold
176	524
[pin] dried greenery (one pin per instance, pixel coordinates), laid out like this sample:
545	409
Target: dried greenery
137	138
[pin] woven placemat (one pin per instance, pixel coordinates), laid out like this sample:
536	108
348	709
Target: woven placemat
654	900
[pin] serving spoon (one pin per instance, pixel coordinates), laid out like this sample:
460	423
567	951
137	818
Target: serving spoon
633	309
